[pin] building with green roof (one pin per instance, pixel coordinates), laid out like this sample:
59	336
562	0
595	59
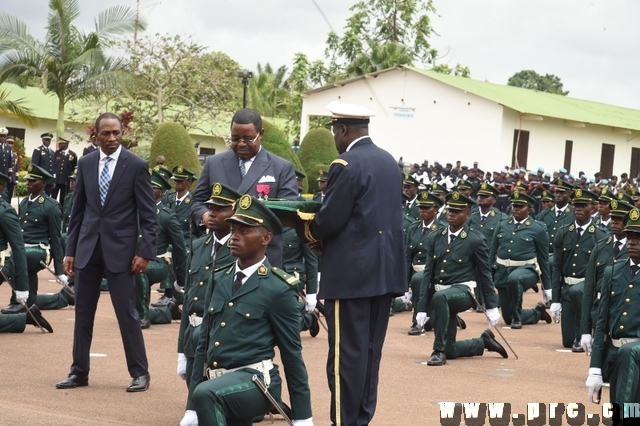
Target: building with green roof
424	115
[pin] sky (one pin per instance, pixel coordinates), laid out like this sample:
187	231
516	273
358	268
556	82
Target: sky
591	45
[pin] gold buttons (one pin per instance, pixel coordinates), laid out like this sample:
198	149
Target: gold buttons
248	315
577	245
380	232
624	314
622	327
630	285
574	274
231	304
195	299
447	251
509	251
223	324
574	265
215	364
442	271
216	344
206	268
613	292
575	254
441	281
627	300
210	309
201	283
444	261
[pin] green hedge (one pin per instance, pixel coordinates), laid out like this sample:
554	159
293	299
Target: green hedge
316	153
173	141
275	141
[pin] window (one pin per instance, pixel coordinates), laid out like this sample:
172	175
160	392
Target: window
520	148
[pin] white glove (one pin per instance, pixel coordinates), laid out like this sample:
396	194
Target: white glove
546	295
305	422
311	302
406	298
493	316
22	296
63	279
585	342
594	381
178	288
421	318
556	310
190	418
182	366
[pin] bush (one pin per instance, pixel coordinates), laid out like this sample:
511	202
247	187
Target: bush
142	151
316	153
276	142
173	141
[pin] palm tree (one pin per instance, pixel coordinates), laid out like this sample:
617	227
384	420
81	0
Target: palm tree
267	92
380	57
16	109
69	62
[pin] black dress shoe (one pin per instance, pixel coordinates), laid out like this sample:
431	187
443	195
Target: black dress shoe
576	346
437	358
314	328
176	313
73	381
414	330
516	325
544	315
38	316
14	308
461	323
535	288
492	345
163	301
139	384
145	323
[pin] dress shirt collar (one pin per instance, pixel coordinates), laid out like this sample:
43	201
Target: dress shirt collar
355	141
248	271
115	155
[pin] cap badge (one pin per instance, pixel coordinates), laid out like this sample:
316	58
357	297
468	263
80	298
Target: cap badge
634	214
245	202
455	195
217	189
578	193
484	185
604	190
614	204
516	195
180	169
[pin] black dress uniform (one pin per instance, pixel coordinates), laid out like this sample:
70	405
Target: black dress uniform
249	313
44	157
616	342
89	149
571	256
65	163
458	264
358	280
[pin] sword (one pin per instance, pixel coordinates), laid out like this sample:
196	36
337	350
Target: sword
65	286
270	397
314	312
33	317
470	291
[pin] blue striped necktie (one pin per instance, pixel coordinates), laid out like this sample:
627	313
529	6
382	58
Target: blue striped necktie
105	179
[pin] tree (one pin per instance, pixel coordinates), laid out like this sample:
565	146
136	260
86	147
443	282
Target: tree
458	71
69	62
171	79
316	153
382	56
16	109
529	79
267	92
173	141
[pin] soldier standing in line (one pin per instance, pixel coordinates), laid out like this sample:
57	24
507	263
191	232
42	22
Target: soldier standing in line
166	263
211	253
607	251
94	145
410	187
448	280
440	192
572	248
604	211
520	250
615	341
43	157
40	219
416	253
183	178
322	186
65	163
253	308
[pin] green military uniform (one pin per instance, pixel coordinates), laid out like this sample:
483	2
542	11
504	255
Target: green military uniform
544	212
166	264
182	207
411	211
300	261
416	255
616	346
440	191
242	329
12	263
40	220
606	252
520	251
605	196
558	217
458	264
571	256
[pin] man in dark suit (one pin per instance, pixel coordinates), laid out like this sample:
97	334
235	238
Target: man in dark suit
113	199
43	157
64	164
248	169
362	204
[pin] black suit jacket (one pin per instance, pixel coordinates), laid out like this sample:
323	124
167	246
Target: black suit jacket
130	203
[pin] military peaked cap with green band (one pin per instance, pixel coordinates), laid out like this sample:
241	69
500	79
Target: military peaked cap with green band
426	199
300	175
520	198
547	196
457	201
323	176
252	212
625	197
159	181
74	175
182	173
463	184
619	208
436	188
293	210
223	195
632	221
166	173
605	194
583	196
407	179
486	189
563	185
37	172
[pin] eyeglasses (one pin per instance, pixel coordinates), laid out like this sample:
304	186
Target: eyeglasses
236	139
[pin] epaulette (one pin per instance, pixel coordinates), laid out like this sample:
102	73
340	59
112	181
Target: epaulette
287	278
492	213
218	269
209	238
339	161
609	240
230	269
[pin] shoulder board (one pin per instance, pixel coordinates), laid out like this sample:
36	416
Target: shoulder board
209	239
492	213
218	269
444	231
609	240
434	227
230	268
339	161
567	210
592	229
463	234
572	227
287	278
527	223
187	200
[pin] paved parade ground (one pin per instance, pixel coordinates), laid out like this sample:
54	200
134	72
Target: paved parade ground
409	392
